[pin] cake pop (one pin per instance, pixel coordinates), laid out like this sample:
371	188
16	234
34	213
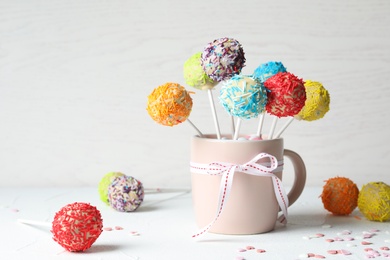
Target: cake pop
77	226
262	73
374	201
267	70
105	183
169	104
223	58
316	104
340	195
125	193
243	97
286	96
195	76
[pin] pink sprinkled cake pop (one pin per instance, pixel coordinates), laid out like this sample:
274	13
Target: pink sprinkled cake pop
286	95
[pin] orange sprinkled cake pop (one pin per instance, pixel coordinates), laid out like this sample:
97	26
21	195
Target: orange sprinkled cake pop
169	104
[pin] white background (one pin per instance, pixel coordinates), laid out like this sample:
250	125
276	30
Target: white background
75	75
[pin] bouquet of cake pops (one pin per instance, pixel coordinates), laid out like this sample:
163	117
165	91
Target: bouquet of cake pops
270	89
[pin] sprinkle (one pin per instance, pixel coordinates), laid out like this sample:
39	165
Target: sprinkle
118	228
365	243
368	249
374	230
15	210
319	256
385	248
250	247
338	239
107	229
241	250
357	217
320	235
346	232
349	239
310	255
329	240
134	233
260	251
332	252
344	252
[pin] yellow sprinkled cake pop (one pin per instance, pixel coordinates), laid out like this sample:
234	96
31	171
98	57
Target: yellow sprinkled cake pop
169	104
374	201
317	102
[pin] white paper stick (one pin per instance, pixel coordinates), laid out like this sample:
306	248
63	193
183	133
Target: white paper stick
260	126
273	126
212	105
238	126
35	223
290	120
233	126
197	130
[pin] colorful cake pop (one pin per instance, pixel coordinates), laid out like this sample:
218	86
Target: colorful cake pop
286	95
374	201
105	183
243	96
169	104
223	58
267	70
194	74
317	102
125	193
77	226
340	195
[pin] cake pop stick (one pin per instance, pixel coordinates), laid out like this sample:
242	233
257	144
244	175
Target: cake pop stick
195	76
286	96
170	104
316	104
81	220
262	73
243	97
273	126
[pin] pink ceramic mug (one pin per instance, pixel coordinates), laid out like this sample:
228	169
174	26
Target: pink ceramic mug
252	205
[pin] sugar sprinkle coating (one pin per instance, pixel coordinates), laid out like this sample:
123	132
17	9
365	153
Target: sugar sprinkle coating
374	201
194	74
317	102
243	97
169	104
125	193
77	226
223	58
286	96
267	70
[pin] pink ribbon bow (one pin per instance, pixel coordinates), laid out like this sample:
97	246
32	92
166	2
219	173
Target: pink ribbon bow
227	171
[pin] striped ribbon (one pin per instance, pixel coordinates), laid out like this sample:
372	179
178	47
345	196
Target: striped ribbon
227	171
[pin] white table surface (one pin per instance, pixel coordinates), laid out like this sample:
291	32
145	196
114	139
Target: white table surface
165	223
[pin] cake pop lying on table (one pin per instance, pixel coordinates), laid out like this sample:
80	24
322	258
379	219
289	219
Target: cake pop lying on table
170	104
75	227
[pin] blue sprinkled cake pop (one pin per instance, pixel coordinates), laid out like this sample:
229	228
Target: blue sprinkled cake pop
243	96
267	70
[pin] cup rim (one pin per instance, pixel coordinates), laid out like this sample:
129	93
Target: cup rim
213	138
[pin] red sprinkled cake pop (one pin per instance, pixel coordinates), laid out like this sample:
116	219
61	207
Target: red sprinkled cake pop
287	94
77	226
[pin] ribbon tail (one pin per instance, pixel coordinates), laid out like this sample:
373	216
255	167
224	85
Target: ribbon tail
224	192
282	199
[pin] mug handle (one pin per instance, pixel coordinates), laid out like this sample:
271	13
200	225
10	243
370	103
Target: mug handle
300	175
